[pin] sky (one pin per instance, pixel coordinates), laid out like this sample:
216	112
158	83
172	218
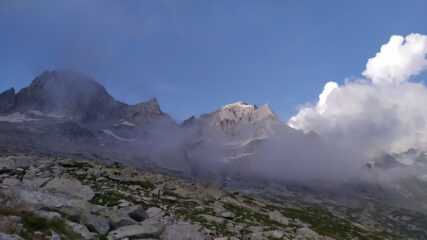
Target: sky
195	56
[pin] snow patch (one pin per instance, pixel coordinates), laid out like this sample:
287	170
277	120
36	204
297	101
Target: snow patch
125	123
16	118
110	133
240	104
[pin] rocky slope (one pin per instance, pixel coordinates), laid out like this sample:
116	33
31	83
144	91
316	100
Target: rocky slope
44	197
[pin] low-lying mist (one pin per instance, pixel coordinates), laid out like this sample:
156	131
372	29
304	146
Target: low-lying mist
351	125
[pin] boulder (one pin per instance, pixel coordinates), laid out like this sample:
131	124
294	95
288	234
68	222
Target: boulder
9	182
154	212
14	162
136	212
118	219
82	230
39	197
54	235
71	187
125	216
35	182
182	232
278	217
95	223
142	230
276	234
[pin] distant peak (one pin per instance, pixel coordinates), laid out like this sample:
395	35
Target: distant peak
189	122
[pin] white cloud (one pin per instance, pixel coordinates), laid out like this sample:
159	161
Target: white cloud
388	112
323	97
399	59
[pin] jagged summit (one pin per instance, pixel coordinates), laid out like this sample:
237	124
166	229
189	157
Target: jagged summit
68	93
233	117
78	97
144	112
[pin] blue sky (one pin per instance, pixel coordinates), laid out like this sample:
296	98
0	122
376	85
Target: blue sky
195	56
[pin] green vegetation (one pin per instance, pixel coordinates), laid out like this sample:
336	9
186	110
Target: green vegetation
110	198
33	223
143	184
75	164
248	216
330	225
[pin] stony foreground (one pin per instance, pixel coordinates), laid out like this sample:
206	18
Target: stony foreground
61	198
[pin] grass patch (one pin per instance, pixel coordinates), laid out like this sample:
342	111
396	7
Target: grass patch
33	223
110	199
330	225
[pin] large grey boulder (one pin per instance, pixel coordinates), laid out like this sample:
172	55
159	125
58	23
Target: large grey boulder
95	223
125	216
278	217
136	212
145	229
71	187
35	182
154	212
39	197
14	162
182	232
82	230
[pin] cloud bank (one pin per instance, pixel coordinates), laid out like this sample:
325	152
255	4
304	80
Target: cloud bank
384	111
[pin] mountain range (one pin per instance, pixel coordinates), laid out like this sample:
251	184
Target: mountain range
67	114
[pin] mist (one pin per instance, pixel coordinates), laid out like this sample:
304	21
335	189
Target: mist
351	126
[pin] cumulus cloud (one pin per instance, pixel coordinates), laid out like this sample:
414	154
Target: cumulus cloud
399	59
383	112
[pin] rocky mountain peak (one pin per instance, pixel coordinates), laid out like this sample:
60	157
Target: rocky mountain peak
143	112
75	96
238	119
191	121
239	113
66	93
